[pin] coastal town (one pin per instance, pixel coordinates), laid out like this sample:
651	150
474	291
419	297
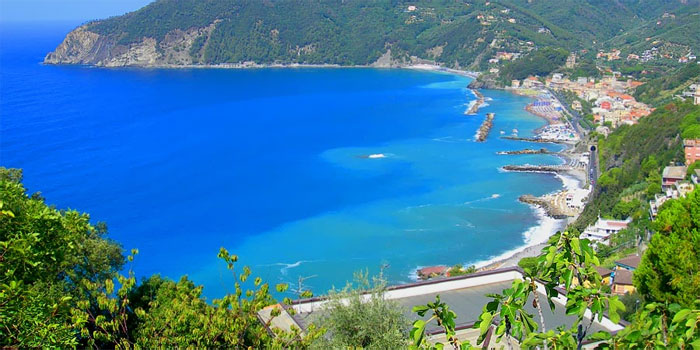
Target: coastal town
609	104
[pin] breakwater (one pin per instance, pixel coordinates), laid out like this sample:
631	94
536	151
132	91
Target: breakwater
526	151
531	139
477	104
537	168
545	203
485	128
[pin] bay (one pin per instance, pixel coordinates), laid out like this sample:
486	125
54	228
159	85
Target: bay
273	164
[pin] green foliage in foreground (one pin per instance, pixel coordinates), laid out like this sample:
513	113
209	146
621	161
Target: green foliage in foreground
354	322
566	261
60	288
669	270
47	257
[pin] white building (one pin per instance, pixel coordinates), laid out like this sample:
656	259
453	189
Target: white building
603	228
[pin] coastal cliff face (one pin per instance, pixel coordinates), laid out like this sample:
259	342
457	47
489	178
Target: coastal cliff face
250	33
82	46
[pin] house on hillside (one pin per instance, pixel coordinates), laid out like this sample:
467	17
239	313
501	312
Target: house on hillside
671	175
655	204
629	263
604	228
680	189
571	61
605	274
622	282
623	273
691	148
532	83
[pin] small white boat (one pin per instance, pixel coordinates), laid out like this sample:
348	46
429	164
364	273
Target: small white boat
503	132
515	131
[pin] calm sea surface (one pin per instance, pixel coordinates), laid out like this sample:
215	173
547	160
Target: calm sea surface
271	164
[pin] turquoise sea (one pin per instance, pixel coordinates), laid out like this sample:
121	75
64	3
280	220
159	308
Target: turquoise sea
273	164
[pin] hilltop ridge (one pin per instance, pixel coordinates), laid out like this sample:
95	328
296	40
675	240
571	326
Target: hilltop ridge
456	34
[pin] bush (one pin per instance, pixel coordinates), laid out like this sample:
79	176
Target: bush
353	323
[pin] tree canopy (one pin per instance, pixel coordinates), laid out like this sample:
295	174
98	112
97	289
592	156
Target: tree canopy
669	269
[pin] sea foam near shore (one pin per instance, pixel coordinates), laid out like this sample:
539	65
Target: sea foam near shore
546	227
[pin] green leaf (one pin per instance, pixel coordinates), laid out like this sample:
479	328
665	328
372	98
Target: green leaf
614	305
576	246
681	315
568	277
418	331
420	309
486	319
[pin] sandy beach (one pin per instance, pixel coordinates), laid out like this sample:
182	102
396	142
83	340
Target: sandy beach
574	181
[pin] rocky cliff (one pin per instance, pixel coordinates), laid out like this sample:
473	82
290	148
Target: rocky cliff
83	46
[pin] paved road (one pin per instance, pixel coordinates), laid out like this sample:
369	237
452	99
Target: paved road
575	116
593	167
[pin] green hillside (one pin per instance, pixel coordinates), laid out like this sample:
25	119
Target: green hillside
451	32
631	161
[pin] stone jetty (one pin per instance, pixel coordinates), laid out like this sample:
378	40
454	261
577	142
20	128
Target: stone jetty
538	168
477	104
545	203
485	127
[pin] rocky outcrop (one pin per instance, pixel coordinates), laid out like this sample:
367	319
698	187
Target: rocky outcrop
484	83
384	61
82	46
545	203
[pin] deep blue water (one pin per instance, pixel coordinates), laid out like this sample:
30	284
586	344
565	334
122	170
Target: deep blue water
269	164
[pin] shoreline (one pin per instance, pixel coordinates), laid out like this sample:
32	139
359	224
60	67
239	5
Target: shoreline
535	237
572	180
421	66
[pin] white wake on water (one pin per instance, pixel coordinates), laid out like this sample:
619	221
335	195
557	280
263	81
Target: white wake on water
493	196
288	266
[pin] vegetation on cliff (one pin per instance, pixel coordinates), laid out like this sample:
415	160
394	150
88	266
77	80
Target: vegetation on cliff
536	63
452	33
631	161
